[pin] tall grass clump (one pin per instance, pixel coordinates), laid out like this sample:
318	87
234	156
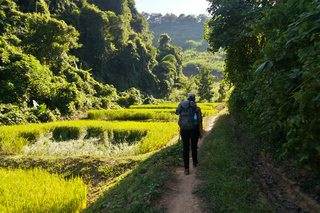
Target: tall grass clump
38	191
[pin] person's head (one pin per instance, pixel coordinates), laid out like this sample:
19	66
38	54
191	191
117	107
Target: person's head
192	97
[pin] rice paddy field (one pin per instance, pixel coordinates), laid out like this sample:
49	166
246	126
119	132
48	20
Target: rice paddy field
66	166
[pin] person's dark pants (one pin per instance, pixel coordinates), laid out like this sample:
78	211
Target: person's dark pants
186	136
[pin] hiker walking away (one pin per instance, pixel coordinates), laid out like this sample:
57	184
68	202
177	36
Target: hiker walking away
190	122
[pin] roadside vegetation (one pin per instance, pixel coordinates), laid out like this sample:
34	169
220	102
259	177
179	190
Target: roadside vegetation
227	186
274	68
107	157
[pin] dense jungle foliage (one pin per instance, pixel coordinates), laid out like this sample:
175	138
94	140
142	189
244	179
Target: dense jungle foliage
194	47
272	60
80	54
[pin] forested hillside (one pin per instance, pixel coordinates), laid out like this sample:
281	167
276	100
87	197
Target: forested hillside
272	60
187	32
69	55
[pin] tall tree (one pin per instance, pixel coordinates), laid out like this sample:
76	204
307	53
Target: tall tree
204	82
170	65
272	66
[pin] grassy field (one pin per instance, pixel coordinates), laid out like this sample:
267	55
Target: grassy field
123	164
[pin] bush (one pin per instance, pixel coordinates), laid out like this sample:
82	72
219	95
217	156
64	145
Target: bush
13	114
130	97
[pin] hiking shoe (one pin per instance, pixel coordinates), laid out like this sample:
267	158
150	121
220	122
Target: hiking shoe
186	171
195	164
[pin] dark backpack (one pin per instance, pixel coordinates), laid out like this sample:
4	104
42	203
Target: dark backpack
186	109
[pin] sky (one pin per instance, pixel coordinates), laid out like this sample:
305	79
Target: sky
177	7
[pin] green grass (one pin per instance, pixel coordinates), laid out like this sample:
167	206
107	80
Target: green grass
38	191
226	186
138	190
164	112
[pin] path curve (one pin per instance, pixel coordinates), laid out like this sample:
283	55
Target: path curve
179	197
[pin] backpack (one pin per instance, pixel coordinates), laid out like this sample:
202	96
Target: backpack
187	109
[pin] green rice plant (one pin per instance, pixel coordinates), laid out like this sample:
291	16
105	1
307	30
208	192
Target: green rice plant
8	145
138	137
157	106
13	138
204	106
64	133
160	114
94	132
133	114
38	191
91	147
206	113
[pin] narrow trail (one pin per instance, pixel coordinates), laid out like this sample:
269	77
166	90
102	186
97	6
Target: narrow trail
179	195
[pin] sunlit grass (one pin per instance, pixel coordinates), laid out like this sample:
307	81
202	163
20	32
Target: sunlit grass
161	114
226	186
108	137
93	147
133	114
204	106
38	191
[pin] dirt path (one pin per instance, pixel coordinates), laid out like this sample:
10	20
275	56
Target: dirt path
179	197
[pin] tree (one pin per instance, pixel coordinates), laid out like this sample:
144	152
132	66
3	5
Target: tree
223	89
36	63
273	66
186	84
204	82
170	65
44	37
164	41
166	72
23	78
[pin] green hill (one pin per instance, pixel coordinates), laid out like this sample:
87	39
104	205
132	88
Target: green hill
187	32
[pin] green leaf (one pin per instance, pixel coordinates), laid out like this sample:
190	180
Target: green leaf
265	66
309	50
297	96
